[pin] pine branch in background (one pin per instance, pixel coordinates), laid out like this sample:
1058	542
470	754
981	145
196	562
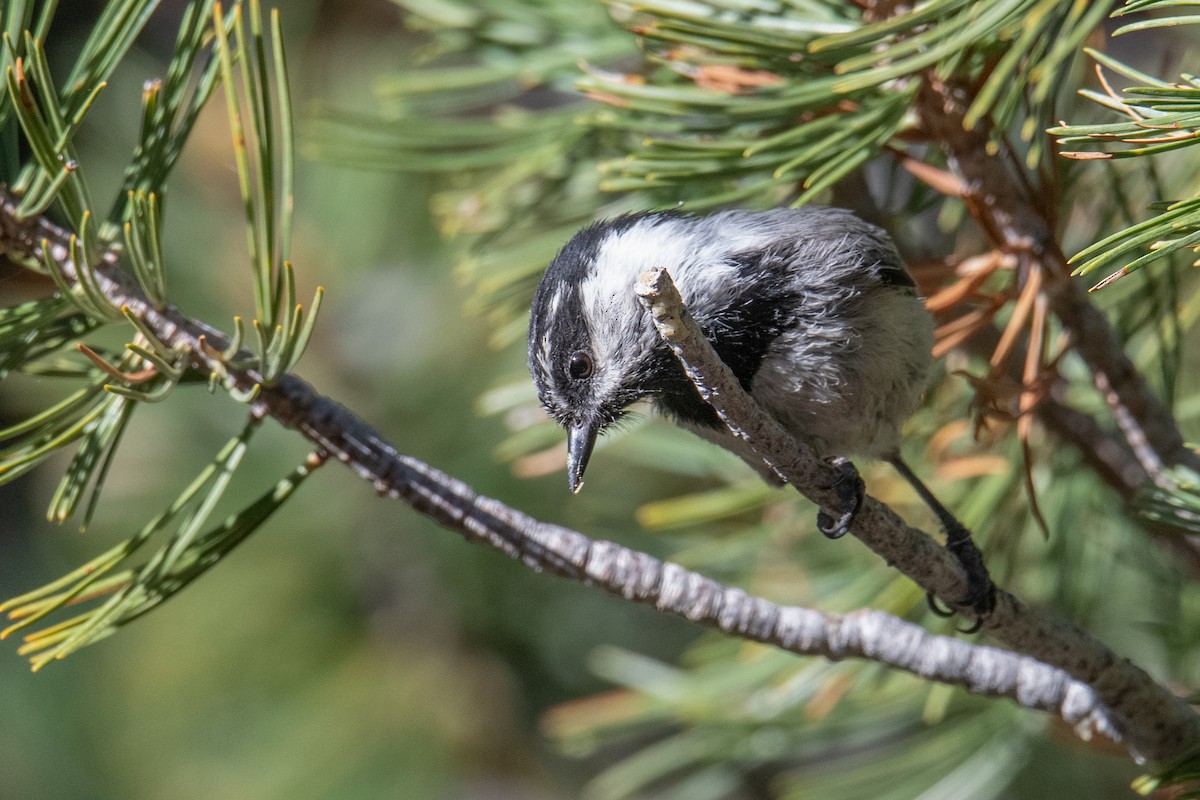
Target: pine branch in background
754	109
1160	117
523	175
48	337
1154	117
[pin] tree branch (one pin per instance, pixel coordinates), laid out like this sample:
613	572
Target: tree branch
1143	706
1056	667
1015	224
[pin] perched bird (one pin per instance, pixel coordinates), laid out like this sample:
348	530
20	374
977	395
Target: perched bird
811	308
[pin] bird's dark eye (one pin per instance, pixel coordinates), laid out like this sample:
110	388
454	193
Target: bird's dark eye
580	365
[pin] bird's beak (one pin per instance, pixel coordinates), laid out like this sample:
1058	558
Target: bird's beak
580	441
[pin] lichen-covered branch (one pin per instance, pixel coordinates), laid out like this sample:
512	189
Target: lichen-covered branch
1054	666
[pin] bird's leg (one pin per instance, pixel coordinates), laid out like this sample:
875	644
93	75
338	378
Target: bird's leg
849	488
981	592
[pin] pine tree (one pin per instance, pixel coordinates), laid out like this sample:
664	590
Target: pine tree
1055	427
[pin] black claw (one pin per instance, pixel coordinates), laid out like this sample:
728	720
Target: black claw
831	529
946	613
981	592
850	490
939	611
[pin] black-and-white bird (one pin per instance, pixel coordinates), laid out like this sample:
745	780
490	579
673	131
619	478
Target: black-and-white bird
811	308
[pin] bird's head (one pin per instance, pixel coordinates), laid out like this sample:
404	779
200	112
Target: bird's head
592	349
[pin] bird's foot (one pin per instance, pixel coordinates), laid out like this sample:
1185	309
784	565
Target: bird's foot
981	592
850	489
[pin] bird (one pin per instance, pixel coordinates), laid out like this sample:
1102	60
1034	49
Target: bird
811	308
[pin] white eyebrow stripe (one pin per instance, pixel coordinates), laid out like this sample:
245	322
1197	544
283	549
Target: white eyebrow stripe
543	354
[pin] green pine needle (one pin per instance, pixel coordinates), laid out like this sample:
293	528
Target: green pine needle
188	553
